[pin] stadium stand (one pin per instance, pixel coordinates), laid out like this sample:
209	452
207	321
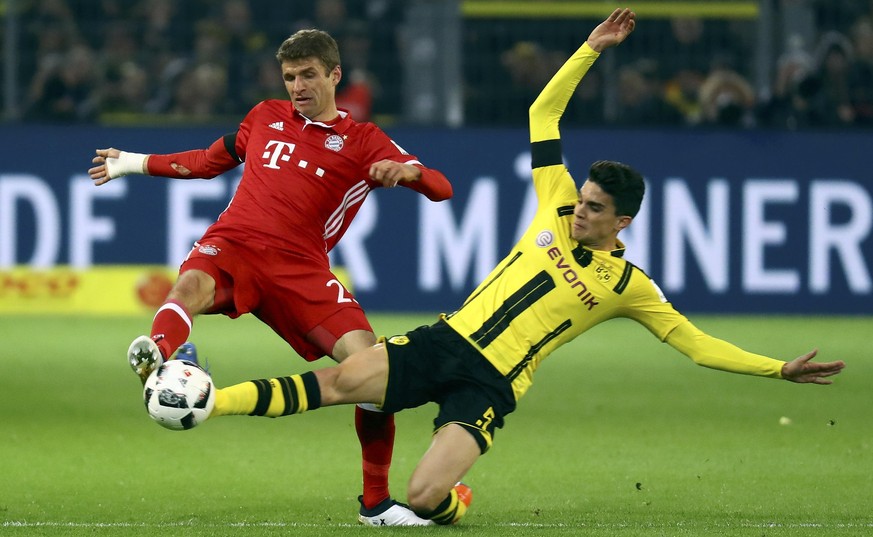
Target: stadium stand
781	64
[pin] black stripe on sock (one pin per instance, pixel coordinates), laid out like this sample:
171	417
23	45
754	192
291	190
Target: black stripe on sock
265	394
313	392
443	514
290	395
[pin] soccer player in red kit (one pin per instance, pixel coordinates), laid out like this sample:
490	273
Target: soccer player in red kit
308	168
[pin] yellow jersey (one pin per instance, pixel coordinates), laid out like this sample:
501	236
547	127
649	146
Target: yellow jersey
550	288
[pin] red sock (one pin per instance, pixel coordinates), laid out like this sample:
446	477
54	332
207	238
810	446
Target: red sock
171	327
376	434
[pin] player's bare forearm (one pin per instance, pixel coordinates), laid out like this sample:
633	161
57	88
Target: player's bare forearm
613	30
804	371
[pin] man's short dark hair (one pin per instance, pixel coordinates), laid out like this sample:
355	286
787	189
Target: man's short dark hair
620	181
310	43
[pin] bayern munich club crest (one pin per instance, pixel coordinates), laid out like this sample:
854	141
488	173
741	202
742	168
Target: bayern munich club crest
334	142
545	239
208	249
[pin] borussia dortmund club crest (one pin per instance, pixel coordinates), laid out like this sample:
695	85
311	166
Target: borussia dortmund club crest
603	272
334	142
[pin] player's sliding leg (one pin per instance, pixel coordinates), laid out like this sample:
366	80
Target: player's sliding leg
192	293
361	377
269	397
171	327
435	491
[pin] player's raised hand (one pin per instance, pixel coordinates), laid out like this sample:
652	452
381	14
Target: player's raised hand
389	172
613	30
112	163
100	172
802	370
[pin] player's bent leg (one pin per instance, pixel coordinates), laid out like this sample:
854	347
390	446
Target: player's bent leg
193	293
435	491
171	326
453	508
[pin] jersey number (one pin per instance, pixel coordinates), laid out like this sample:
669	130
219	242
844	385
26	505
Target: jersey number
341	297
487	418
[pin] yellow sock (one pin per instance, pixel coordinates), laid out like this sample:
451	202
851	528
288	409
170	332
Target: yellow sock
239	399
269	397
450	511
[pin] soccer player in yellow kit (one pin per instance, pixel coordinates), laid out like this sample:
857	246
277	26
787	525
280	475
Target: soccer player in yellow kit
565	275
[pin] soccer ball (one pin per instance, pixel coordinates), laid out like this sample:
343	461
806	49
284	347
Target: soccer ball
179	395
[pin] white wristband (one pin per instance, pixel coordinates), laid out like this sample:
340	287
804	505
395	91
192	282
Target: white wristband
125	164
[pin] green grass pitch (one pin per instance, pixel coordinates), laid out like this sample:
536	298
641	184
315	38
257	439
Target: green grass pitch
620	435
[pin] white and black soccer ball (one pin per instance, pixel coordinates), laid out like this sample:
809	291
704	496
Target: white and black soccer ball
179	395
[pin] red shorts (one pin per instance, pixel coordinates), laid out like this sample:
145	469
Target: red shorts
298	297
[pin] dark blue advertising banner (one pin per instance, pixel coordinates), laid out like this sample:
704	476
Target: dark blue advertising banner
732	222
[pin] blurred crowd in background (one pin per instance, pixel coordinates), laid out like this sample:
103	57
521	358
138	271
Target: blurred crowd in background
208	61
190	60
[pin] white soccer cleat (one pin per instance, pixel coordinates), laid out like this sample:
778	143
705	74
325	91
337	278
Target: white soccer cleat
144	357
390	513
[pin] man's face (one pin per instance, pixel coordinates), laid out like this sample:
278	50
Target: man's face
312	91
595	224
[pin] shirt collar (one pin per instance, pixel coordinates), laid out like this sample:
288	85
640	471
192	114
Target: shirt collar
584	256
340	125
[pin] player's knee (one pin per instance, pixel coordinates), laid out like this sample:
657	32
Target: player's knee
194	289
424	497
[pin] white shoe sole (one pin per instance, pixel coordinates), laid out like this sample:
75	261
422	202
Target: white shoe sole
144	357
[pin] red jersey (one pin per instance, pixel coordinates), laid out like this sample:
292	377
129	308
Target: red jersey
303	181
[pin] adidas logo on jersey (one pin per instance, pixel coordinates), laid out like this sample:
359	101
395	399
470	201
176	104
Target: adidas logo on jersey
279	126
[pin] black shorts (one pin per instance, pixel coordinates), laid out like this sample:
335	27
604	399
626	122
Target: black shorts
436	364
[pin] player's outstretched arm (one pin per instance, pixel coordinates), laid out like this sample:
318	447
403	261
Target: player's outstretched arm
803	370
712	352
613	30
193	164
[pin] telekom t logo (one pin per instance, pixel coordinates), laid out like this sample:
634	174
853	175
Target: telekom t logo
277	150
